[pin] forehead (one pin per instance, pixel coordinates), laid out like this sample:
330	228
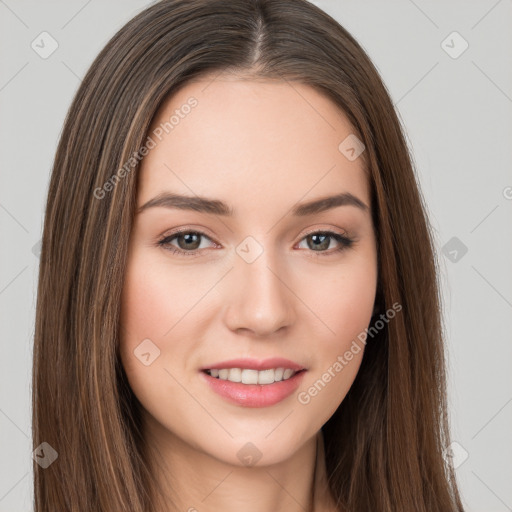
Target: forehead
250	142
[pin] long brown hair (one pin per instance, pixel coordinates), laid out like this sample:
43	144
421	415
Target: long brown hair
384	444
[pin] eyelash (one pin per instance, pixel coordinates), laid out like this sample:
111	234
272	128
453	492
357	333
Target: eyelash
344	241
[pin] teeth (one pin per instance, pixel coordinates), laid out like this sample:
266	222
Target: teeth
266	377
253	376
235	375
287	374
250	376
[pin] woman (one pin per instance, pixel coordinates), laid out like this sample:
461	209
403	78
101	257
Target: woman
237	290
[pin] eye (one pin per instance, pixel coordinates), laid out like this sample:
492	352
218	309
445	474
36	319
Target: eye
189	242
319	242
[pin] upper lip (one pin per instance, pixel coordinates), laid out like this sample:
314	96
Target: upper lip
255	364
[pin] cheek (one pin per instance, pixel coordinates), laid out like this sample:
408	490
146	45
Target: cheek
350	306
156	299
159	305
148	312
142	310
342	301
144	316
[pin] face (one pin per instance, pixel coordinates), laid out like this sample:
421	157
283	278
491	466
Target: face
254	275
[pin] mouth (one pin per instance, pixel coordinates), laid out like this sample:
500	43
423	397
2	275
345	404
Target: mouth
251	376
254	383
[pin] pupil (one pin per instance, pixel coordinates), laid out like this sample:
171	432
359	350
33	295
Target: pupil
320	243
190	240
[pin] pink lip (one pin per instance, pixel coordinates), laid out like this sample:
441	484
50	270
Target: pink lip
254	395
254	364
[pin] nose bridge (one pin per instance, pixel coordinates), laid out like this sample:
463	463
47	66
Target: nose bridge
260	300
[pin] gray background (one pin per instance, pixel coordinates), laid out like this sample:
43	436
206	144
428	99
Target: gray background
457	113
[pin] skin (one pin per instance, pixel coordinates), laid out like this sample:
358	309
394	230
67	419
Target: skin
261	147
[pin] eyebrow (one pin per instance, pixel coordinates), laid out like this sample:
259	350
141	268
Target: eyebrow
217	207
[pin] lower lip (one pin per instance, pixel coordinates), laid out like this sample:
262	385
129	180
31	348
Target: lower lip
254	395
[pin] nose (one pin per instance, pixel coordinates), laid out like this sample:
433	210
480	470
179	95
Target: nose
260	299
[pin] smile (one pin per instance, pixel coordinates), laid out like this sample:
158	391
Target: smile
248	376
252	393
